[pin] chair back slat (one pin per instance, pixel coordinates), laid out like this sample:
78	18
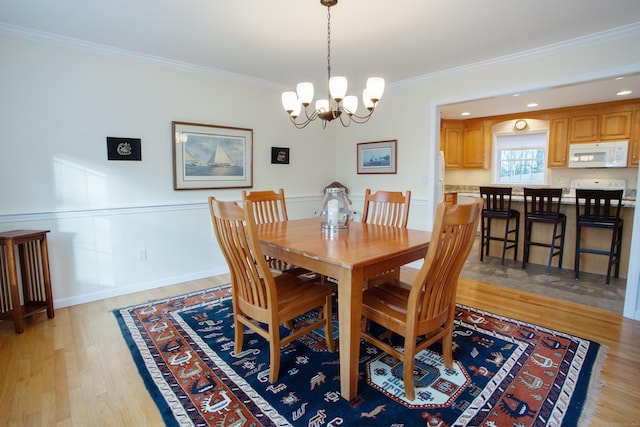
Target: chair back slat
434	289
389	208
236	232
542	201
268	206
497	199
599	204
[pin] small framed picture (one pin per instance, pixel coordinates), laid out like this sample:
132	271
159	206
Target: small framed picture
280	155
123	148
377	157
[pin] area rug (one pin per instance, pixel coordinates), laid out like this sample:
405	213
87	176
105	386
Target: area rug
507	373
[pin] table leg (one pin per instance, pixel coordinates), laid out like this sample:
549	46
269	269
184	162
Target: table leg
350	284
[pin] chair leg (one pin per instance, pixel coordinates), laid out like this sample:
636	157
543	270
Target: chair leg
618	251
576	263
239	336
328	324
553	247
517	238
564	229
506	239
527	241
409	364
274	353
483	238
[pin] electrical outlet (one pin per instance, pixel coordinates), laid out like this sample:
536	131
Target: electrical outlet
142	254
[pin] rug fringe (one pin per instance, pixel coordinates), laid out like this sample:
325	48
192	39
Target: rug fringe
594	389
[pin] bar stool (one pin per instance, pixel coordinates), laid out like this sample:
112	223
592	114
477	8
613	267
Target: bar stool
542	205
600	209
497	205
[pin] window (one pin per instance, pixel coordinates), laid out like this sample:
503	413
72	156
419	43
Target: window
520	159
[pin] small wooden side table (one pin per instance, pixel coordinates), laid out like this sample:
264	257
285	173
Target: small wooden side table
34	274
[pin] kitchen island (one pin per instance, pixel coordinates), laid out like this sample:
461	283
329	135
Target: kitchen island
591	238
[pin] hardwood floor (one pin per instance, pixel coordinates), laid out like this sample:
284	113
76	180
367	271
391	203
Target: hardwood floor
76	370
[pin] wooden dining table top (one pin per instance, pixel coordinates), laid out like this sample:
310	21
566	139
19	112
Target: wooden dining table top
349	256
362	244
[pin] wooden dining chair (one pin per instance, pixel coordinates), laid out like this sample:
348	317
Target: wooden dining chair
389	208
270	207
386	208
262	301
425	308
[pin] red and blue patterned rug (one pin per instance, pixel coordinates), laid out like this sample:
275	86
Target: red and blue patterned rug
507	373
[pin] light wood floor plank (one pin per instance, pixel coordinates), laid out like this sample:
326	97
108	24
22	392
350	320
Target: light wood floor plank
76	370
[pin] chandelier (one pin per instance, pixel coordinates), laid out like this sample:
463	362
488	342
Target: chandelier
337	104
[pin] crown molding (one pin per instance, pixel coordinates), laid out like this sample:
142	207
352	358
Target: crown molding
101	49
554	48
73	43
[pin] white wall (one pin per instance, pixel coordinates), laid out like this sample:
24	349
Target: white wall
60	104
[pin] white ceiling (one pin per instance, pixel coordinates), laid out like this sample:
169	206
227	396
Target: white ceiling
281	42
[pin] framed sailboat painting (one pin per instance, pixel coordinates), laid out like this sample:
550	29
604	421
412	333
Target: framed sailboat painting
209	156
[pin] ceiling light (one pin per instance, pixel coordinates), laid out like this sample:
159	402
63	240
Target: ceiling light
466	113
623	92
337	104
533	104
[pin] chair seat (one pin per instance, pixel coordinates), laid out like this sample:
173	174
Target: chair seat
497	205
295	296
549	219
512	213
599	222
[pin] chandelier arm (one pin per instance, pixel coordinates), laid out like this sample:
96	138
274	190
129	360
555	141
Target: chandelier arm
361	119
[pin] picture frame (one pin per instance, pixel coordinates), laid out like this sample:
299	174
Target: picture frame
280	155
211	157
377	157
124	148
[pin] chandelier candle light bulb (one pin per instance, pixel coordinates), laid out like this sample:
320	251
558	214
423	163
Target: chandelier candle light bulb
338	101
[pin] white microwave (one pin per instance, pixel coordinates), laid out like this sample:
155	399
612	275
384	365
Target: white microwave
599	155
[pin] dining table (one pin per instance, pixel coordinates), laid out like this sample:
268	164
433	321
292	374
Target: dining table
349	256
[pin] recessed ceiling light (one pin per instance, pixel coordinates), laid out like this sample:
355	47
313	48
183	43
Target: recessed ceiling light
620	78
466	113
516	94
533	104
623	92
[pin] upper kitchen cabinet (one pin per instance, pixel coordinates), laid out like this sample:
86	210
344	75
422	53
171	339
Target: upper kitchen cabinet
612	125
464	144
584	128
474	147
558	143
615	126
634	143
451	143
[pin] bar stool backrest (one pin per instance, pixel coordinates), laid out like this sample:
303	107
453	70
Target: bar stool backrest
542	202
496	199
598	205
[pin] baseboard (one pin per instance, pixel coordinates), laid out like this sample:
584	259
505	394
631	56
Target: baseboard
97	296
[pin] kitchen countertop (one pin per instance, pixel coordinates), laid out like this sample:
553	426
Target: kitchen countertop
518	196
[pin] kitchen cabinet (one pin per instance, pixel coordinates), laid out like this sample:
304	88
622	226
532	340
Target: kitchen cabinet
558	143
584	128
615	126
634	143
473	151
451	144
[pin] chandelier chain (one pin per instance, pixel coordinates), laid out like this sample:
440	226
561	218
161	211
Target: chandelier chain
329	40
